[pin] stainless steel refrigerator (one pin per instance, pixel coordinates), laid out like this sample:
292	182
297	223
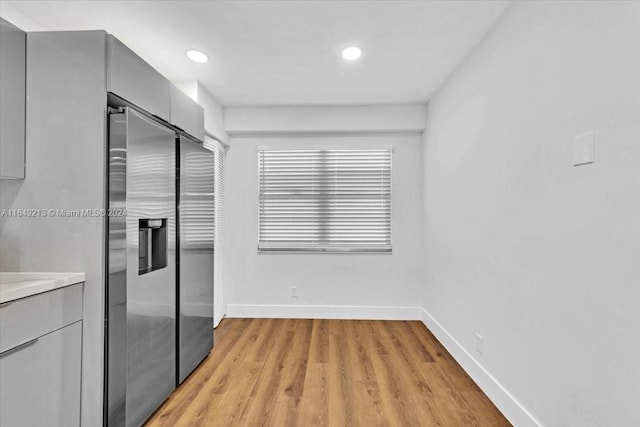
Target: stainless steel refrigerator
196	210
160	264
141	286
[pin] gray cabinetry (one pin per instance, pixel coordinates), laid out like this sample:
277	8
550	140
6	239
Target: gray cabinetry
132	79
13	43
186	114
40	359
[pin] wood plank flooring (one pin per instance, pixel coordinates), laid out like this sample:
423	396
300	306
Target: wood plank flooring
294	372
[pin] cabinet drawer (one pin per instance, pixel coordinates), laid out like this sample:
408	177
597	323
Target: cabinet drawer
41	381
28	318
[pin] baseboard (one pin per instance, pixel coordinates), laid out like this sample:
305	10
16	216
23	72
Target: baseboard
324	312
504	401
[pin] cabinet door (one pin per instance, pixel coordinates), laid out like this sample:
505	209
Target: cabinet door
186	113
132	79
13	43
41	381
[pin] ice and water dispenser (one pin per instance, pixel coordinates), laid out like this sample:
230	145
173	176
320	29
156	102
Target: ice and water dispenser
152	247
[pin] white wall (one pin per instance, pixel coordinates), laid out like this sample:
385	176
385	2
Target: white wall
538	256
329	285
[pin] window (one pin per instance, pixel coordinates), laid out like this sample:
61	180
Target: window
325	200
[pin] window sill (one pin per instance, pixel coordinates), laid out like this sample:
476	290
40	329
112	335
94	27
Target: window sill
345	251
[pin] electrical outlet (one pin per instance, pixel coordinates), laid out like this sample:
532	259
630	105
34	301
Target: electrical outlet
294	292
479	343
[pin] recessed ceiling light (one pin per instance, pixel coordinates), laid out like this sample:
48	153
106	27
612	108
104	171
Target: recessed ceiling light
197	56
351	53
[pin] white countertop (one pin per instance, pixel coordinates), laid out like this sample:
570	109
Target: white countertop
25	284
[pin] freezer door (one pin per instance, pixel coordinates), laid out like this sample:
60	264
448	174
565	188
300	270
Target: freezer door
141	289
196	234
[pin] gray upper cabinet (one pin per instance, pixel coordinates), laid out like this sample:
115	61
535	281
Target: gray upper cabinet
13	48
132	79
186	113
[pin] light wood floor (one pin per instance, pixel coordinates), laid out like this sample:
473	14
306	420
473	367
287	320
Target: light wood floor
290	372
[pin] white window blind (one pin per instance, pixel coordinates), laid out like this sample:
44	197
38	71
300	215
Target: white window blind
219	197
325	200
219	162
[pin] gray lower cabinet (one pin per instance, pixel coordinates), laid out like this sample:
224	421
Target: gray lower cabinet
41	381
40	368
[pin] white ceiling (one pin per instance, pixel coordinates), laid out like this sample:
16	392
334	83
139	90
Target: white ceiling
286	52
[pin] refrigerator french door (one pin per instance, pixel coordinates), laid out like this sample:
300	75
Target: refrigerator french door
141	284
196	211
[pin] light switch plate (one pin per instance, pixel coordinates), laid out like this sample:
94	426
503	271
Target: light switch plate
583	149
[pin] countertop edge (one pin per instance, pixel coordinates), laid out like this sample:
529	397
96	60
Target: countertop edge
37	284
